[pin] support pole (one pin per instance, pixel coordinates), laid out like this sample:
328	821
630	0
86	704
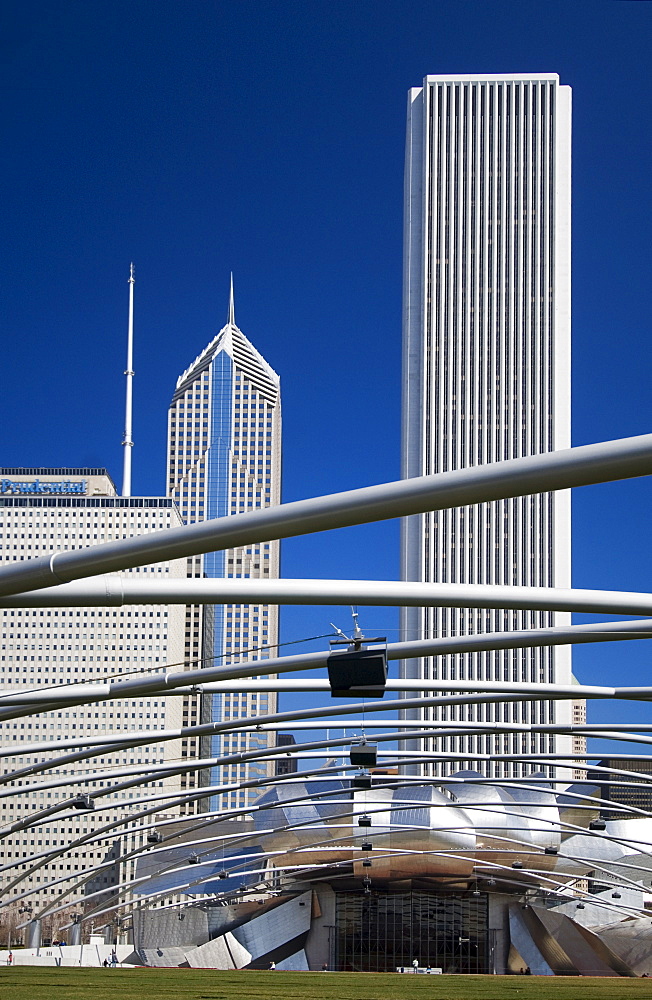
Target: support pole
33	934
127	442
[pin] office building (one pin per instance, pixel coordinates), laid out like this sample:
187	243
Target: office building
486	378
578	708
628	785
47	510
224	457
288	764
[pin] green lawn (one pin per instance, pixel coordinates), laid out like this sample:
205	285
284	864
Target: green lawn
28	983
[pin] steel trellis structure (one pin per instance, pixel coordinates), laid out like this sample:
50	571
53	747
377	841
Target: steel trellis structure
51	582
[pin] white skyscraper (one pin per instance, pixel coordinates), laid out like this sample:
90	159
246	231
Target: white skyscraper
51	510
224	457
486	355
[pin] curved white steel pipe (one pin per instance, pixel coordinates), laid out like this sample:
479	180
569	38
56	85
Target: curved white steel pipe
167	799
520	848
101	834
301	750
554	470
137	738
482	690
495	870
118	590
482	805
152	771
163	682
271	753
314	751
154	737
527	691
122	904
518	693
590	799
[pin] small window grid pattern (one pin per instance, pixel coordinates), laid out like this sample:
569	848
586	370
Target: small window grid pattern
55	646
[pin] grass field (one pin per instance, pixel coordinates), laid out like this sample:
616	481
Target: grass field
28	983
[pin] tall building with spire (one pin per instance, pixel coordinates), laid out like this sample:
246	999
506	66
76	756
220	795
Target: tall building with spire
224	457
486	377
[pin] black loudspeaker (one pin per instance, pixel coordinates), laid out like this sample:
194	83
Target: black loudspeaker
83	802
358	673
363	754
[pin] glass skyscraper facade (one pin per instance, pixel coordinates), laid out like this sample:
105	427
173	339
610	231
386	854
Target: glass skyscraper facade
224	458
486	377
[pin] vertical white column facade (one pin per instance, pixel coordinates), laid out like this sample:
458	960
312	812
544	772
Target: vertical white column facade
486	356
224	457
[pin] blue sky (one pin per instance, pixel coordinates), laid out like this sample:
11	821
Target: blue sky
266	138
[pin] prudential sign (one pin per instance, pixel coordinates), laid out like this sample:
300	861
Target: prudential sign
62	487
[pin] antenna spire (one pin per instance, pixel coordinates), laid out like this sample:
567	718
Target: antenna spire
127	442
231	319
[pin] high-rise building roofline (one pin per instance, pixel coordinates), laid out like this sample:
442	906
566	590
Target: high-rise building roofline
49	470
231	339
489	77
